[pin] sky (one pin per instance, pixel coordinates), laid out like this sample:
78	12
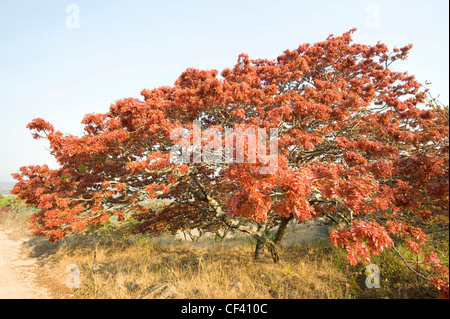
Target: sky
60	60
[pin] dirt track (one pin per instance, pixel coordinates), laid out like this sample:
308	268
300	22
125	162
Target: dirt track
18	273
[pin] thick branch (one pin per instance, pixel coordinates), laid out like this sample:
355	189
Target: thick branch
234	223
282	229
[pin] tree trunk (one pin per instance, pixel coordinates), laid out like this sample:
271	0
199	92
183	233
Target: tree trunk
259	251
236	224
282	229
273	251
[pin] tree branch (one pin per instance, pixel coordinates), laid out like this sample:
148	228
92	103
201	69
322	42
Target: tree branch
406	263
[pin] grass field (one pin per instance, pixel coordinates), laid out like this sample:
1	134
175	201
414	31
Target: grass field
126	267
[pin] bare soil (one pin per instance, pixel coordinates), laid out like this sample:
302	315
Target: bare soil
19	275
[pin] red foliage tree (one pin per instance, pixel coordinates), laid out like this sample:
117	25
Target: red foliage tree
356	141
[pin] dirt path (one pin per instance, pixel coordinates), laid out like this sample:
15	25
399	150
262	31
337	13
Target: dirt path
18	273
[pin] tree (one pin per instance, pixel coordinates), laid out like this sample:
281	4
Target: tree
356	141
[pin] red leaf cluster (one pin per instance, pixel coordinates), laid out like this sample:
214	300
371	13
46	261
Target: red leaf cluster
356	139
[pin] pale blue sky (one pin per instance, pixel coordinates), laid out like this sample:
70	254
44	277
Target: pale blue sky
58	73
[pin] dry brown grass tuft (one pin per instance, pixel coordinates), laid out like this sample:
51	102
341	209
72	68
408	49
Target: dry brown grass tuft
210	272
225	270
209	269
15	221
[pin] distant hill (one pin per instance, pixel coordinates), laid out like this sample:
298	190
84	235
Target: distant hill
5	187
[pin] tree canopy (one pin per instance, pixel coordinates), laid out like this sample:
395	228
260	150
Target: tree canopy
356	141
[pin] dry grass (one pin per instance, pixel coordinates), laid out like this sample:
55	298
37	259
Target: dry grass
210	269
210	272
227	270
15	220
